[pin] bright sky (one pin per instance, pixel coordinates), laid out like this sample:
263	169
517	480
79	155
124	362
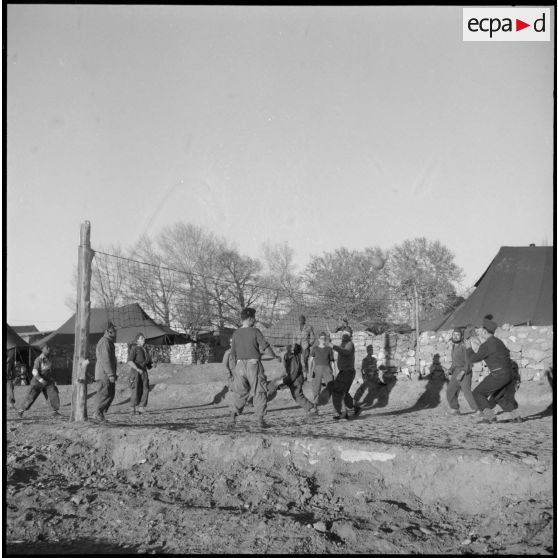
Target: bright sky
320	126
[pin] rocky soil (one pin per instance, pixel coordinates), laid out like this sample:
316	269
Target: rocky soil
403	477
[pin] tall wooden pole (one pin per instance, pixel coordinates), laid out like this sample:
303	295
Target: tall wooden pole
83	310
417	350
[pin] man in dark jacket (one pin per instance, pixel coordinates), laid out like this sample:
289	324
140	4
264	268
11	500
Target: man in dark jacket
342	400
461	372
497	357
105	372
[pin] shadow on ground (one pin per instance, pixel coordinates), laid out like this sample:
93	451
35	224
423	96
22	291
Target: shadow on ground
77	546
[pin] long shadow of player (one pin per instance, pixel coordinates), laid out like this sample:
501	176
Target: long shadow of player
377	395
549	411
431	397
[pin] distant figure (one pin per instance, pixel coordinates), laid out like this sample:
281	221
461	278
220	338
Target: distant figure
461	374
228	361
321	367
21	374
105	372
42	382
497	358
11	375
248	378
342	401
139	362
295	379
305	337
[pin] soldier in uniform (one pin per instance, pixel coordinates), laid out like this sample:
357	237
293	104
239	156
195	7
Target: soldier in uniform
42	382
105	372
305	337
295	379
497	358
139	361
461	374
342	400
370	379
11	375
247	348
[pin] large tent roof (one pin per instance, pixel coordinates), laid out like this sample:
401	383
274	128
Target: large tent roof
129	320
516	288
280	333
25	329
14	341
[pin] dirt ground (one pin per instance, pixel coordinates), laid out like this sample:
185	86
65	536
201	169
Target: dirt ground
403	477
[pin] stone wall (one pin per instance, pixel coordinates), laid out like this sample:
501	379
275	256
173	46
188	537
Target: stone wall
191	353
389	349
530	346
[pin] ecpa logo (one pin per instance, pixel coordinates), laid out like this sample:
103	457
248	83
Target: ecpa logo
506	24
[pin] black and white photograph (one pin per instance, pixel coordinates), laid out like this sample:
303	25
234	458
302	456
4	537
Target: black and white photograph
279	279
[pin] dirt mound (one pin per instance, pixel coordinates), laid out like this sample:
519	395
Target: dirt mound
402	478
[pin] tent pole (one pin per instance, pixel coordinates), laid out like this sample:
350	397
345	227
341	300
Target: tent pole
83	310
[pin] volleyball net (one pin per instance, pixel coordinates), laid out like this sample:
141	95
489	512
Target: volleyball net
191	303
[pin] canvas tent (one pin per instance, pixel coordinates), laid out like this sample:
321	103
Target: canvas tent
24	352
129	321
280	334
25	329
517	289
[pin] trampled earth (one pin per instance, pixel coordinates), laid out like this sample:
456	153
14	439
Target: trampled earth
403	477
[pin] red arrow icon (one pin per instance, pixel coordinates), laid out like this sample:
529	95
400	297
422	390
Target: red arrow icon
519	25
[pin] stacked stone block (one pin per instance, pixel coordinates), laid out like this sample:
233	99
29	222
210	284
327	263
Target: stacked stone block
191	353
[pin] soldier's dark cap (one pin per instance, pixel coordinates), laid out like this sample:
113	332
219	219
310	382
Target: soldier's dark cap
489	324
110	325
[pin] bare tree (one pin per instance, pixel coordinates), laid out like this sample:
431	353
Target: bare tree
347	284
109	275
216	280
238	287
188	249
155	287
281	286
428	267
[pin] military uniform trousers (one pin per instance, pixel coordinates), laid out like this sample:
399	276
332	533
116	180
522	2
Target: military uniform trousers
50	391
248	380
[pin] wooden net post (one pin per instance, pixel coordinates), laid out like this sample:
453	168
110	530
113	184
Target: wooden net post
417	348
83	310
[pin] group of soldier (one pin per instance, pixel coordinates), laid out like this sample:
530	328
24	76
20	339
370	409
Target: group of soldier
498	387
139	362
305	360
